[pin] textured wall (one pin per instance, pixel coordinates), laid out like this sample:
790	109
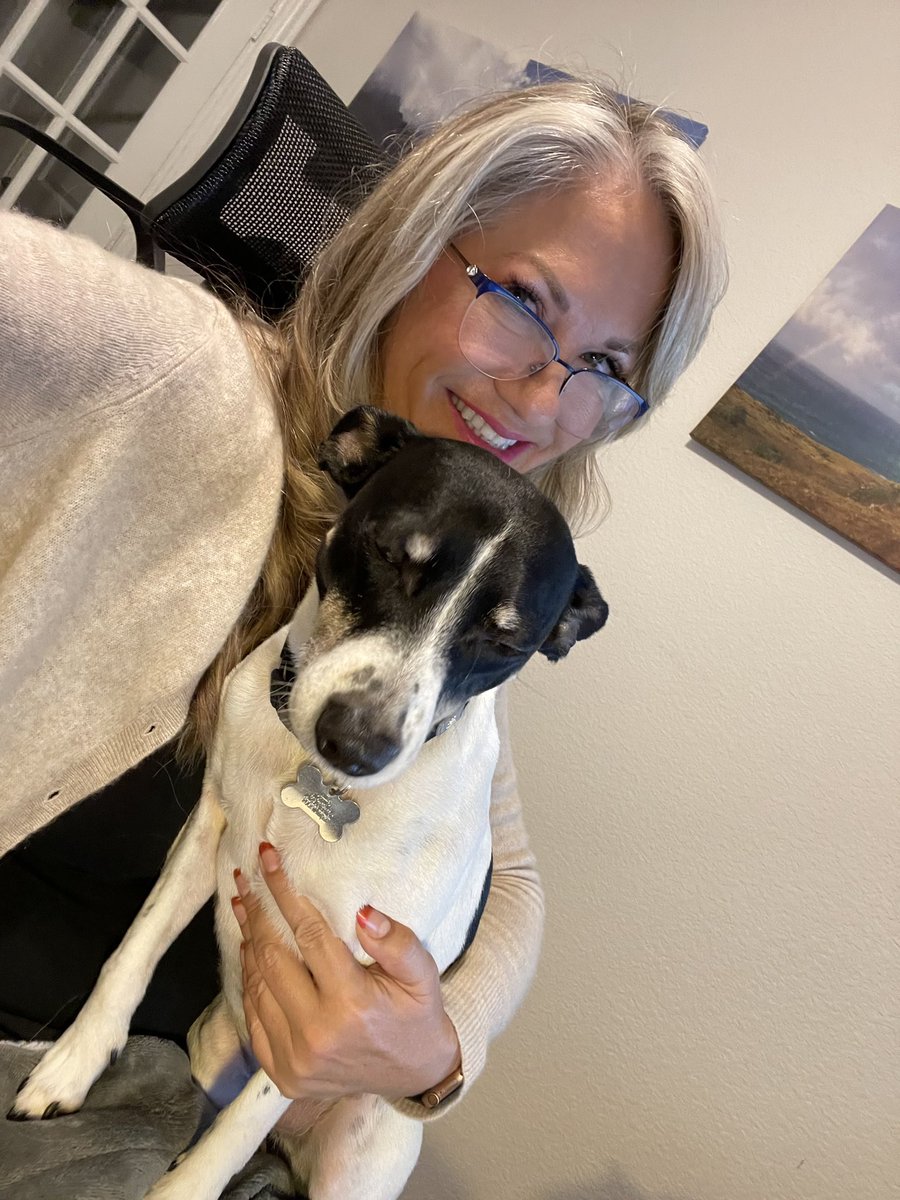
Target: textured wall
711	783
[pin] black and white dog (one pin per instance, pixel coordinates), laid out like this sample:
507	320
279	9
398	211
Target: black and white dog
443	575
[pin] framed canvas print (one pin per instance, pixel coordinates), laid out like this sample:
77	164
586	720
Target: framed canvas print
816	416
432	69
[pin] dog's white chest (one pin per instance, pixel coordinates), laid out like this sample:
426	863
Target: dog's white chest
420	846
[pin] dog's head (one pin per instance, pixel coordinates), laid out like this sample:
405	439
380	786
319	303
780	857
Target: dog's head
444	574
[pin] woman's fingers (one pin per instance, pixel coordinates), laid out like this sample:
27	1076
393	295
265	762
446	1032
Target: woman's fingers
276	968
260	1004
276	1001
398	953
254	997
330	964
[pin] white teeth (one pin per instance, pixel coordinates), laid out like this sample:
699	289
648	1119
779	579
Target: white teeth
480	426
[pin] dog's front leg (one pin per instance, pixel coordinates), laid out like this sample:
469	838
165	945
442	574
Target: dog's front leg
362	1148
233	1137
61	1080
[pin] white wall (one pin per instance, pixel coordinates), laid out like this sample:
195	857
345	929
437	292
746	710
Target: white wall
711	783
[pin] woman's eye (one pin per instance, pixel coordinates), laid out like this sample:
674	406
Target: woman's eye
524	295
604	364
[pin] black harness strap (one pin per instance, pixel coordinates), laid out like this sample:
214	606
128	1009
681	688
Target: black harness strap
282	681
479	912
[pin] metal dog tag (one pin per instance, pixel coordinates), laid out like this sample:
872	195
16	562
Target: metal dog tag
324	804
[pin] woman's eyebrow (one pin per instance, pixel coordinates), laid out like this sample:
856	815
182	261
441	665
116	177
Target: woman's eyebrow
624	347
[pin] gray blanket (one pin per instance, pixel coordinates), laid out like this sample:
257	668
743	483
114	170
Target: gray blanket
138	1117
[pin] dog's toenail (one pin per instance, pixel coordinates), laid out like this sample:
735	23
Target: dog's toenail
52	1110
113	1058
22	1084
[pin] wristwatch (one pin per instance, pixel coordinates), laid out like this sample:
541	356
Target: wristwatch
437	1095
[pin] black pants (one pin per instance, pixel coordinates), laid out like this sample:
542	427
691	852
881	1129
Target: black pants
69	893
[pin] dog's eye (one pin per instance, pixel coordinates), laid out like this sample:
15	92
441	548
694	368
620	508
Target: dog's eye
409	573
500	646
391	554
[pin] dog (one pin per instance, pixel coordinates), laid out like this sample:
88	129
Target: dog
361	741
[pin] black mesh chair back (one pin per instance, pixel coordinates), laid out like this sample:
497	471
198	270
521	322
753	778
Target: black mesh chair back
273	188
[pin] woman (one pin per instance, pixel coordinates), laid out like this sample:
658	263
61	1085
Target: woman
164	521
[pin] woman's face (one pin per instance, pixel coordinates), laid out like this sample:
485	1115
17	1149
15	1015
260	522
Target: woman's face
597	261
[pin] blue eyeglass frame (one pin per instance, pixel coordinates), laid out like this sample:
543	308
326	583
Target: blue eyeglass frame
483	283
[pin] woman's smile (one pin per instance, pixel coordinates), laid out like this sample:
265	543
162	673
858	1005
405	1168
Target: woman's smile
477	427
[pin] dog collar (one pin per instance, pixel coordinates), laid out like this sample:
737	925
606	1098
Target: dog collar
280	684
285	674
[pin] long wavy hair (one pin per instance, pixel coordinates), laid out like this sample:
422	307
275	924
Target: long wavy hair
324	358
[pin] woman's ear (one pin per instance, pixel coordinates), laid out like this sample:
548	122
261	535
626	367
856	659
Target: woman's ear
585	613
363	440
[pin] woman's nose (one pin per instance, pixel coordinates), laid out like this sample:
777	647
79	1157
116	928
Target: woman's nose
535	399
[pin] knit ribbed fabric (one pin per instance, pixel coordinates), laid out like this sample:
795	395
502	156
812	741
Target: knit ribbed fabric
140	475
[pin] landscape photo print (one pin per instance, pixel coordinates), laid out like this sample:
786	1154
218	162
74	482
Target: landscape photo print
816	416
432	69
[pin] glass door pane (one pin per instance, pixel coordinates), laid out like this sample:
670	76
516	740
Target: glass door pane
127	86
55	192
10	11
63	40
184	19
14	148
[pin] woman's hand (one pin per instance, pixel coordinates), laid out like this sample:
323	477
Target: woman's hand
326	1026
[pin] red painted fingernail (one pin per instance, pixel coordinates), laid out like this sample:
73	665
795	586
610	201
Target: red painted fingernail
239	911
240	882
375	922
269	857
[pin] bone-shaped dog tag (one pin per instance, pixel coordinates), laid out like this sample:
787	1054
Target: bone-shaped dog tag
325	805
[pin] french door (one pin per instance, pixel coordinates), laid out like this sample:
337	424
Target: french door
138	88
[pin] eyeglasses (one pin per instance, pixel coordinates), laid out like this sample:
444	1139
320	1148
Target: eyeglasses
503	339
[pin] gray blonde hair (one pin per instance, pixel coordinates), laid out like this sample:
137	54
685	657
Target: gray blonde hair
324	357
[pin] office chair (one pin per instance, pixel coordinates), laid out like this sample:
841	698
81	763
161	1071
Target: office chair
275	185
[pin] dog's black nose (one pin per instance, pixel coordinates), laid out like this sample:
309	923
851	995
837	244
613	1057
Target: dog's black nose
346	736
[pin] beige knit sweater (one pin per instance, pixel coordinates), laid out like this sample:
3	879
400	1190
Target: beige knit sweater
140	473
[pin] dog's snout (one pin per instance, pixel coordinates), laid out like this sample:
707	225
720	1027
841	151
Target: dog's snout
349	737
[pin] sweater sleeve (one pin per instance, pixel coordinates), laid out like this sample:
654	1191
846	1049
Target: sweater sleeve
81	328
140	468
482	991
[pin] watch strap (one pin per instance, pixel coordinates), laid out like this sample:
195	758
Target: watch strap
438	1094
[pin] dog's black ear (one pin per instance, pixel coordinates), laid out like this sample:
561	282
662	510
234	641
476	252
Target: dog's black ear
585	613
362	441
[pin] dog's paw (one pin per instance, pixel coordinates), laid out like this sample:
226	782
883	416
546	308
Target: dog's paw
61	1080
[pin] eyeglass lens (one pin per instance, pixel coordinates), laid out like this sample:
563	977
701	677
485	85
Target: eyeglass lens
595	406
502	341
